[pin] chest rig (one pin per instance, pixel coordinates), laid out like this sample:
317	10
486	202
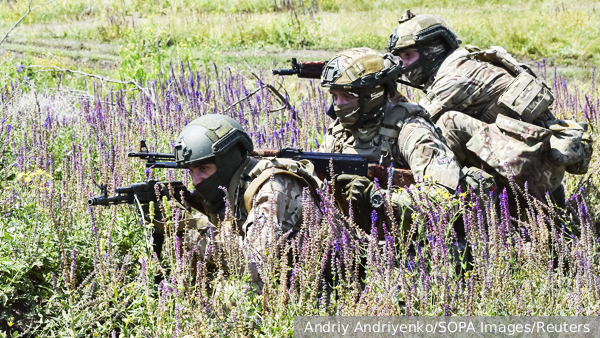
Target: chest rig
383	148
526	98
394	120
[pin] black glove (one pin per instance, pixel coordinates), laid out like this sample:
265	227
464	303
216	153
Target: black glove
479	180
190	198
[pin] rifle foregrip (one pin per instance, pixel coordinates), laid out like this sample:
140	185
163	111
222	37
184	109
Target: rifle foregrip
265	152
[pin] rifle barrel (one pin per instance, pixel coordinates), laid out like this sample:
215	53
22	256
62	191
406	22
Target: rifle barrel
152	156
101	200
163	165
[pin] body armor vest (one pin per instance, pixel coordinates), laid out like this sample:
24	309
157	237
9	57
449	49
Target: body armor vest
383	148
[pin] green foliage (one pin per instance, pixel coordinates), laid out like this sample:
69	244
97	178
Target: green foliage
43	209
153	32
69	270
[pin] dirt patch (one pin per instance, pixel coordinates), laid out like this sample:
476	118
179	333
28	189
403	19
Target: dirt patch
68	44
67	52
301	54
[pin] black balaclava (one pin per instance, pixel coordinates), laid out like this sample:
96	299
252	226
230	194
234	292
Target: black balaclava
431	56
227	164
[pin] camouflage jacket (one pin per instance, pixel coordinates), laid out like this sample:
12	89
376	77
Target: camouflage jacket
466	85
278	200
411	141
275	209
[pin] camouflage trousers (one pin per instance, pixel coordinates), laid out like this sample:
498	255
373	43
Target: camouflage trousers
506	149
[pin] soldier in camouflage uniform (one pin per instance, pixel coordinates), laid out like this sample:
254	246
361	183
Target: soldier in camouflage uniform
265	196
492	110
363	86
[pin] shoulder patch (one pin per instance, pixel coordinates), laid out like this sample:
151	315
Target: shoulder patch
443	160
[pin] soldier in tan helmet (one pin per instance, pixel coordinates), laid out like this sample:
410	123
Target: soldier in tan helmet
374	122
492	110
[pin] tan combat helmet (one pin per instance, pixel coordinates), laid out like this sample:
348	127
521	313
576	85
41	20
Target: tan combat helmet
360	68
417	29
366	74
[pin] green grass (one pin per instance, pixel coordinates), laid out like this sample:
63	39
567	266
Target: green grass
138	39
143	36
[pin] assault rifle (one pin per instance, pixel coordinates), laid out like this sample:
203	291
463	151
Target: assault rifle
155	160
314	69
141	194
342	163
305	69
144	191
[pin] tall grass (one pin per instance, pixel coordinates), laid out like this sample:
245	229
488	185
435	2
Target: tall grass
68	270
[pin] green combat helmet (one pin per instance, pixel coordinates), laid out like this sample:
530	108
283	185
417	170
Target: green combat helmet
430	35
214	139
365	74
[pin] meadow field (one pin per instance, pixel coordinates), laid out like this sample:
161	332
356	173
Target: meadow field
82	82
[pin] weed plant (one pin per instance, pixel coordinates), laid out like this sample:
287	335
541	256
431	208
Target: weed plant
70	270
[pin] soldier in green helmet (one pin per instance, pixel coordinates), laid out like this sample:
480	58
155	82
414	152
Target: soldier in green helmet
492	110
260	193
374	122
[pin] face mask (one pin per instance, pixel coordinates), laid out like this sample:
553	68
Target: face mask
368	130
347	113
366	134
209	190
352	115
414	74
227	164
431	57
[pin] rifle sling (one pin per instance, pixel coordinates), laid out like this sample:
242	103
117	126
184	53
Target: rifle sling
406	83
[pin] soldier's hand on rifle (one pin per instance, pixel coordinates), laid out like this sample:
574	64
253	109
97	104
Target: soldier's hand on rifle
356	189
479	180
